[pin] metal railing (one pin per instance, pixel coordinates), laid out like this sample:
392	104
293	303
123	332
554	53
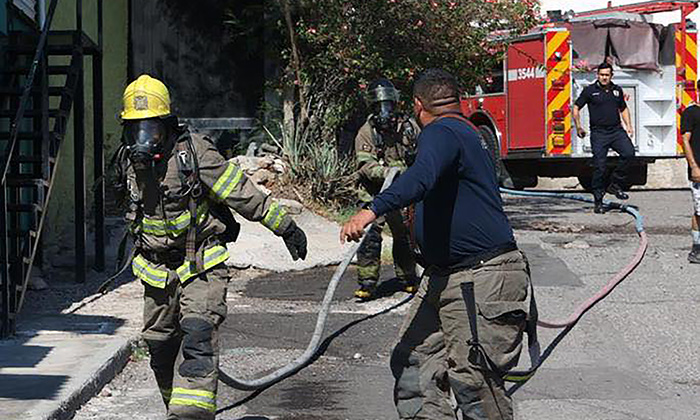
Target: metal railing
8	291
15	263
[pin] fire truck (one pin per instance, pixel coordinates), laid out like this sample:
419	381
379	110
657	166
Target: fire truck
524	111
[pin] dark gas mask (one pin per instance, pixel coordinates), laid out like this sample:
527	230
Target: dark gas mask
383	97
145	140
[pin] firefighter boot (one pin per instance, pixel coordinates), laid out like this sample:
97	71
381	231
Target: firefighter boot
410	284
366	292
694	255
616	190
598	206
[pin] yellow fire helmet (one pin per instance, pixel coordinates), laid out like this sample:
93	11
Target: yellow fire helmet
145	97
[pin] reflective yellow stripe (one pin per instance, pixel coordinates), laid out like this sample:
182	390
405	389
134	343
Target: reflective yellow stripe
193	403
177	226
194	398
212	257
198	392
517	378
377	172
274	217
396	164
148	272
365	157
227	182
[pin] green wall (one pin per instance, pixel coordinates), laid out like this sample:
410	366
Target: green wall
59	226
3	17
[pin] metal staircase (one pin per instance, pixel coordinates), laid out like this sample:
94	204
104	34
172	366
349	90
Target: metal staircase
36	100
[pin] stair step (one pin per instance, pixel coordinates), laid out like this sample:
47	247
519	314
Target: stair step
58	42
22	233
52	70
14	91
24	208
25	135
26	182
53	113
33	159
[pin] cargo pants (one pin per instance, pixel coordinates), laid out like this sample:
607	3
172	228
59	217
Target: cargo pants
431	357
181	329
370	253
602	140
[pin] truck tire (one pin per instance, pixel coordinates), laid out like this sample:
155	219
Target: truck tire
490	143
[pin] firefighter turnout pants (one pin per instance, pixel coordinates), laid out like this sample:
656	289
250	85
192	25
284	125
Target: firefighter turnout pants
432	355
181	329
602	140
370	253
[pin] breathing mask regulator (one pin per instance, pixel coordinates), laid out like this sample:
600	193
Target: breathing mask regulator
145	140
383	97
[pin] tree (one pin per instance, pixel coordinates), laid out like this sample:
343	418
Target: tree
334	48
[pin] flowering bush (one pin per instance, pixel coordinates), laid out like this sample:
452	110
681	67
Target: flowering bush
335	48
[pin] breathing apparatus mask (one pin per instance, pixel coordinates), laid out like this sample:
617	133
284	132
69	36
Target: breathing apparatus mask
383	97
145	140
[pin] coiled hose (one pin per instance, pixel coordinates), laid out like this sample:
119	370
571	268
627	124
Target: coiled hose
519	377
314	344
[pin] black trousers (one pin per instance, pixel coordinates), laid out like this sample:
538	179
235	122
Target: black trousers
602	140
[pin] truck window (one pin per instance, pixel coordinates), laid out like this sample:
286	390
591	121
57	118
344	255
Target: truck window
495	81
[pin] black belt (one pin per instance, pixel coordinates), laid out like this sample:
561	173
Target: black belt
168	257
476	260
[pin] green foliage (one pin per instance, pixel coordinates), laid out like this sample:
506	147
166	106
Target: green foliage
343	45
360	40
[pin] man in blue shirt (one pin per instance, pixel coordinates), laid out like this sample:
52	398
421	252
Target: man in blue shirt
608	110
464	236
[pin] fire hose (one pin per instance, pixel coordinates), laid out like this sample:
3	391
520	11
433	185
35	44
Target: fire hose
301	361
519	377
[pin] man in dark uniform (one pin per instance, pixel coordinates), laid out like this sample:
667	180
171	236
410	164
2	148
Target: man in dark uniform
464	237
606	104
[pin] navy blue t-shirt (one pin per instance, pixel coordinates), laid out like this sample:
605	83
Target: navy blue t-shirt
604	104
459	212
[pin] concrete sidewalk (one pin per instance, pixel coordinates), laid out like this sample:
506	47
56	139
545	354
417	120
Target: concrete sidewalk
59	360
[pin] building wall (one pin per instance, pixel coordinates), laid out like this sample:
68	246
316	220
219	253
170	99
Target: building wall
58	230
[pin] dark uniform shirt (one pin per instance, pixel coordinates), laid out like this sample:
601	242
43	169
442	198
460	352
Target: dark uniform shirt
604	104
690	123
461	213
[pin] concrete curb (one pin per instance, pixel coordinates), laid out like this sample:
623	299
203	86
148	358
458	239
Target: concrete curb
114	364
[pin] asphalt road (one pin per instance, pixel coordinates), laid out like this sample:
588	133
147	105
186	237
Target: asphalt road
633	357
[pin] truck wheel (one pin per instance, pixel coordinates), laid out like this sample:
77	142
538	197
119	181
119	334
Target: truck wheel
490	143
586	182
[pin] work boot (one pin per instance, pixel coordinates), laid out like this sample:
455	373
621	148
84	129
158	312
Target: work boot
694	255
598	206
366	292
410	285
615	190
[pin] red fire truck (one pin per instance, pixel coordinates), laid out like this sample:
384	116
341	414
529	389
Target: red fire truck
524	111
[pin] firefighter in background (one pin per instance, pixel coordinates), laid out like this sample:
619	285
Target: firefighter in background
175	180
386	140
606	104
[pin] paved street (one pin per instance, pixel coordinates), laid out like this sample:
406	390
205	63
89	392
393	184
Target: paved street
633	357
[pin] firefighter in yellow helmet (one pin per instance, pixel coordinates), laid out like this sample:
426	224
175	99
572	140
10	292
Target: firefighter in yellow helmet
180	190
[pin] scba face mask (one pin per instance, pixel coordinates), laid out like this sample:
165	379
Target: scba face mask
384	99
145	140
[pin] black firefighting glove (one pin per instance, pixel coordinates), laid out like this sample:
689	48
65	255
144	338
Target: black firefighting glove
295	239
